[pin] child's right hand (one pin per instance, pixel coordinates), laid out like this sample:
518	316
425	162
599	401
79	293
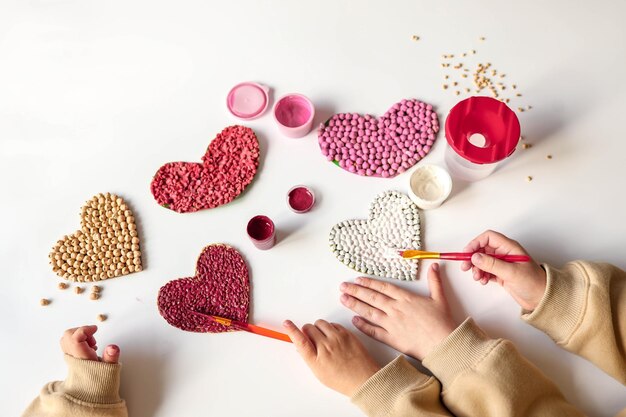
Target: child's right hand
525	281
80	343
336	357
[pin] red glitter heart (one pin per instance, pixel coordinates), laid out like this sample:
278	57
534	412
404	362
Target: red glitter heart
221	287
227	167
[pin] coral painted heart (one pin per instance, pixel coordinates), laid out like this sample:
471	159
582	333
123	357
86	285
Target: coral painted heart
221	287
380	147
106	246
371	246
227	167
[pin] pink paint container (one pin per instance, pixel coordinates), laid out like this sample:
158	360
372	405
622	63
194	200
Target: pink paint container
248	100
294	114
300	199
262	232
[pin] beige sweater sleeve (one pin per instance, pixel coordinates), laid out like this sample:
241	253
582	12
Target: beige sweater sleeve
90	390
488	377
584	311
400	390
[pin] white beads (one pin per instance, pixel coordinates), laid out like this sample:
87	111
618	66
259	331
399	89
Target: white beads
364	245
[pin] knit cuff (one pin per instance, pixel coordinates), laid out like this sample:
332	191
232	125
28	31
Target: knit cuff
378	394
92	381
563	304
465	347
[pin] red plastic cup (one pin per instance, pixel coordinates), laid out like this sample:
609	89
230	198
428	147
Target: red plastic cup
262	232
300	199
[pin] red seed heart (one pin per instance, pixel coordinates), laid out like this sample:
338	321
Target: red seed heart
227	167
221	287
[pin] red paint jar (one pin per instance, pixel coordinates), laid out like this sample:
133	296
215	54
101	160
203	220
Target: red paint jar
300	199
262	232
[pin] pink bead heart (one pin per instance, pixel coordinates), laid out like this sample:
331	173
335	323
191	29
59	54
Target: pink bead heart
227	167
383	147
221	287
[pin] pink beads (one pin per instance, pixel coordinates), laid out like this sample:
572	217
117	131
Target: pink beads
382	147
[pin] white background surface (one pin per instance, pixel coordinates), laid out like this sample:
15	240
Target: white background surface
95	96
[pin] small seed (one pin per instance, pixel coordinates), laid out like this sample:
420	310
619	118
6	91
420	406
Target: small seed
457	92
455	83
445	86
520	109
529	178
526	145
62	285
94	296
482	38
78	290
44	302
102	317
518	94
548	156
473	51
414	37
96	288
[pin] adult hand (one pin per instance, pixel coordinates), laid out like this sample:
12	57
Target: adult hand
336	357
80	343
410	323
525	281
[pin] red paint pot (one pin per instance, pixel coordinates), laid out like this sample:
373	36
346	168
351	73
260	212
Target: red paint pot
300	199
262	232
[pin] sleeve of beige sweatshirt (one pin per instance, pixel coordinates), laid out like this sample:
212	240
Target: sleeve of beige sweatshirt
91	389
475	376
400	390
584	311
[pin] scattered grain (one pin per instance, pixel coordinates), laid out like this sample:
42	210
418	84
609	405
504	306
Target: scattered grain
44	302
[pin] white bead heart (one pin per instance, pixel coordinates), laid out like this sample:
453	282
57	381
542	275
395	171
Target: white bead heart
370	246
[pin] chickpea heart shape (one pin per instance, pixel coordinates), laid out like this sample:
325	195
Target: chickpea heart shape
380	147
371	246
220	287
106	246
228	166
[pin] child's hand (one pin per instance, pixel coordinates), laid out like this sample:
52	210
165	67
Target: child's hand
336	357
80	343
525	281
408	322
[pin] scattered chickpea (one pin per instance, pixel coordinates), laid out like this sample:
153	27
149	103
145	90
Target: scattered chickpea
62	285
79	290
96	289
44	302
529	178
102	317
94	296
445	86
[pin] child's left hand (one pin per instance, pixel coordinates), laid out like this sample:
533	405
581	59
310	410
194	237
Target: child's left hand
410	323
80	343
336	356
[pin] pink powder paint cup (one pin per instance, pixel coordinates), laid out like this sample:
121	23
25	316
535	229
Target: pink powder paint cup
294	115
262	232
300	199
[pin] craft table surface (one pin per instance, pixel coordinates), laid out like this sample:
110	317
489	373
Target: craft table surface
96	96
